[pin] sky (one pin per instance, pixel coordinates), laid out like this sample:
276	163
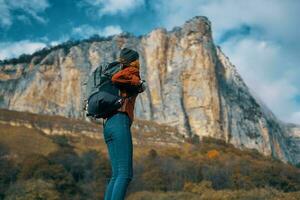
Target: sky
260	37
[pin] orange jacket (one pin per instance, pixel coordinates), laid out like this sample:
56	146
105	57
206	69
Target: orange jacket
129	76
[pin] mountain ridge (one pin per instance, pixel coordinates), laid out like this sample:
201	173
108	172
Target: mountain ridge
192	86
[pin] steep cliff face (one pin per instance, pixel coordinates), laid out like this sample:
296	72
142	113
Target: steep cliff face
192	86
246	121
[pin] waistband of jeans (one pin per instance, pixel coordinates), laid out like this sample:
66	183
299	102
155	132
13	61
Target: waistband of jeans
116	112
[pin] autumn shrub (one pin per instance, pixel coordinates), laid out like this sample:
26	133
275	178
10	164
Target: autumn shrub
32	189
213	154
31	164
208	169
210	194
58	173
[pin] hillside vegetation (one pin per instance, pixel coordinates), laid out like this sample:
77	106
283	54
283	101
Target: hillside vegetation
42	53
34	165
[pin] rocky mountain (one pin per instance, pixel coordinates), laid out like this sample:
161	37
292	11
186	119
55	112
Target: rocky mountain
193	87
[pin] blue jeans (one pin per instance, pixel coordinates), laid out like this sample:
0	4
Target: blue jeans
117	136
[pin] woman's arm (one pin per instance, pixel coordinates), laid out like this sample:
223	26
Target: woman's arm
127	76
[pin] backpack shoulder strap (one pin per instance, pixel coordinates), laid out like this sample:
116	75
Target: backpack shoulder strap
111	68
97	75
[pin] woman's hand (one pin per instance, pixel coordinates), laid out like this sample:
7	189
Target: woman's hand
142	86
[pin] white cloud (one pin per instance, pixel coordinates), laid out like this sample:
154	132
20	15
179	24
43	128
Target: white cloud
5	18
278	18
111	30
112	7
295	118
31	8
267	71
14	49
264	14
85	31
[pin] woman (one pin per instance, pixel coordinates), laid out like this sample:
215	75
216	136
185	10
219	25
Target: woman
117	133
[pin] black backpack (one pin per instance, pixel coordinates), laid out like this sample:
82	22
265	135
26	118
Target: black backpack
102	97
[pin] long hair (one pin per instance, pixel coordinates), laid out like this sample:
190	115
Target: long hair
135	63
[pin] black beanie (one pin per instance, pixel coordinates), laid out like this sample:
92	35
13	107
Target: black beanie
128	55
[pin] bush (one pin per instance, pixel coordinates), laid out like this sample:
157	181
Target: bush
198	188
31	164
213	154
32	189
8	170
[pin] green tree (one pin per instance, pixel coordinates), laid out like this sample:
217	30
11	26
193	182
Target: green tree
8	170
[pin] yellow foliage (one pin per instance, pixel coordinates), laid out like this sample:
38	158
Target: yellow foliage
212	153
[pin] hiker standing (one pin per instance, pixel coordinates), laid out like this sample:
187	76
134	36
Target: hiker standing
117	127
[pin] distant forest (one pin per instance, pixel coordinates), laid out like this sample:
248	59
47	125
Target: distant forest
66	46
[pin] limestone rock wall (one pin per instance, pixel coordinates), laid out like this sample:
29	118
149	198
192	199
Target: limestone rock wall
192	87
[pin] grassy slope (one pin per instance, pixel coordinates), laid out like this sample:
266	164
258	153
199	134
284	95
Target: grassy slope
22	141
